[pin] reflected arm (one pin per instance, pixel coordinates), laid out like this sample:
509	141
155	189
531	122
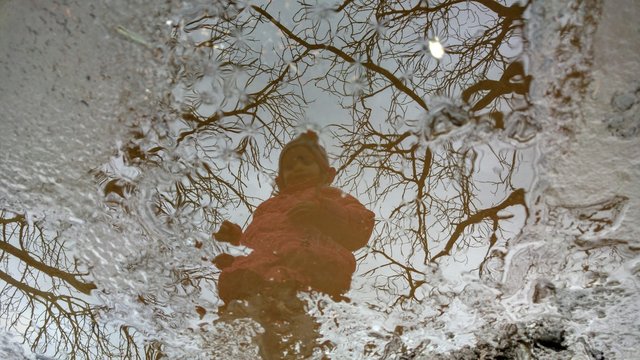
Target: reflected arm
346	220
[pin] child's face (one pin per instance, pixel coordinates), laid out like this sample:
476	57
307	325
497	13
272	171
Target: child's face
299	166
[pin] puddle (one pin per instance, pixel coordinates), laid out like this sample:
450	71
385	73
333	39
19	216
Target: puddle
431	115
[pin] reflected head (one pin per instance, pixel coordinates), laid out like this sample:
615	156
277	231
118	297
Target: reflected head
303	161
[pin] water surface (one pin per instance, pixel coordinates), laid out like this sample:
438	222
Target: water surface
131	131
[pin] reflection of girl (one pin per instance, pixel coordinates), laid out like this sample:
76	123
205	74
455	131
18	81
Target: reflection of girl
302	239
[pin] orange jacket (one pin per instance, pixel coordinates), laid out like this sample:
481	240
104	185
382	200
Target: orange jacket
316	257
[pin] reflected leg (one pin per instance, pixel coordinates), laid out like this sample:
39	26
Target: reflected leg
289	331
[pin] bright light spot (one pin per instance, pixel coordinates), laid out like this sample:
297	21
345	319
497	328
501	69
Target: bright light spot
436	48
169	22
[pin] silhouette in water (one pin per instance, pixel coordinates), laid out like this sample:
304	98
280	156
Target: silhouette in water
302	239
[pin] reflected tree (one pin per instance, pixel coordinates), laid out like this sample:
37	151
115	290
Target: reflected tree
46	298
413	141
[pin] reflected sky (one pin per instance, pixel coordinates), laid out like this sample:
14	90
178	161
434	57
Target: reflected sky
438	145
